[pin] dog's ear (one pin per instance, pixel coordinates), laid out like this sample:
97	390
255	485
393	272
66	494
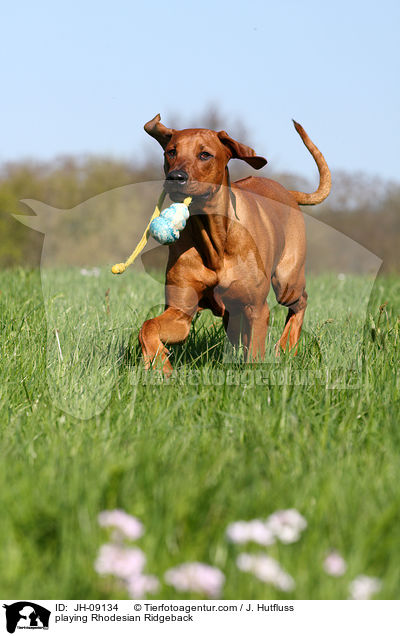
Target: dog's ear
156	129
240	151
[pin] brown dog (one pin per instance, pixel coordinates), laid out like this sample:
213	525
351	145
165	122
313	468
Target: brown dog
238	239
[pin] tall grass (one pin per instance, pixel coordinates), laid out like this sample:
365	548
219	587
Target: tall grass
188	457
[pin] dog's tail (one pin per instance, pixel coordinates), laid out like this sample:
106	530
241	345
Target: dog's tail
325	181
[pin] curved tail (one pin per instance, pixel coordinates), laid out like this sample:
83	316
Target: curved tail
325	181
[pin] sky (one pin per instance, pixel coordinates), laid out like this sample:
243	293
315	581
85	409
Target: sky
83	77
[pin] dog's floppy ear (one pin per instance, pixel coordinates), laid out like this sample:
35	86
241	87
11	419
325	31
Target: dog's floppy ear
240	151
156	129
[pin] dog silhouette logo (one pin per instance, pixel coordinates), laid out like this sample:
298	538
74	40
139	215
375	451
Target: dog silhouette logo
93	317
26	615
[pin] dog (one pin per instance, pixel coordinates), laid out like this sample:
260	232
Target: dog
239	238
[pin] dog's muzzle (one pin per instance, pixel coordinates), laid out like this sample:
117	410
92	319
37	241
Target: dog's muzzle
177	177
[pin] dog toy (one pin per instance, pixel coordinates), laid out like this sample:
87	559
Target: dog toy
166	227
163	226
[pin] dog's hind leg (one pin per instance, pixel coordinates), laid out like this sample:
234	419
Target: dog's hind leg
293	296
293	324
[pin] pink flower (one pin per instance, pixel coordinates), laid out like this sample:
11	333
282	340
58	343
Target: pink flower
363	587
126	526
142	584
196	577
237	532
334	564
266	569
119	561
245	531
286	525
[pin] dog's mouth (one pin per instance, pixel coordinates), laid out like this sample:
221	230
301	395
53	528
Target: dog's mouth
179	193
178	196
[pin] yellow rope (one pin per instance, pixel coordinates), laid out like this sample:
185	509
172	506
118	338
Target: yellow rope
119	268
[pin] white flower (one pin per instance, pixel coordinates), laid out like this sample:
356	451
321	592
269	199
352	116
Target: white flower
142	584
126	526
288	534
334	564
255	530
196	577
286	525
246	562
260	533
266	569
119	561
341	276
363	587
95	271
237	532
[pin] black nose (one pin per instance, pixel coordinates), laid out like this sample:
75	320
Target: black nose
180	176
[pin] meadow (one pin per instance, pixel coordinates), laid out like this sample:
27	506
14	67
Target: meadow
188	457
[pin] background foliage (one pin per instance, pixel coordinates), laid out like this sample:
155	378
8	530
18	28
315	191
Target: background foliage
365	209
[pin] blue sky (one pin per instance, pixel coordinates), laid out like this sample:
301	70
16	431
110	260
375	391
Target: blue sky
83	77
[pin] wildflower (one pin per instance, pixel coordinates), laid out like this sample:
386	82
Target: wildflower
196	577
363	587
95	271
286	525
334	564
255	530
125	525
237	532
266	569
119	561
140	585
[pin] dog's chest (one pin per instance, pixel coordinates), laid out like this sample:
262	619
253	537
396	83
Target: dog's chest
239	278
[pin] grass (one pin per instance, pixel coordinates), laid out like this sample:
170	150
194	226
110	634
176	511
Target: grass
188	457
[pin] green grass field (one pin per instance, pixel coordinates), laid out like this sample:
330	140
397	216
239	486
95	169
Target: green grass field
189	457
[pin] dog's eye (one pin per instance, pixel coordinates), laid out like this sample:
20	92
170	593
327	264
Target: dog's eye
205	155
171	153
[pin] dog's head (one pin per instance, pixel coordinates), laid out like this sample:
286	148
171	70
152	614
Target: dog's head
195	159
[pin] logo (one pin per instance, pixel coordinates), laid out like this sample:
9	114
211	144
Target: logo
26	615
89	331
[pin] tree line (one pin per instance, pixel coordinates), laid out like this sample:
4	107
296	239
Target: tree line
365	209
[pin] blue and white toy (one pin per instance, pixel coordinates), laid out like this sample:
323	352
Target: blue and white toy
166	228
163	226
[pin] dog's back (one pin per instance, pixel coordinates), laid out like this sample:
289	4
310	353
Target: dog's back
267	188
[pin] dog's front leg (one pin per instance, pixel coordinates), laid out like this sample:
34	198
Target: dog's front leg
258	320
248	327
170	327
